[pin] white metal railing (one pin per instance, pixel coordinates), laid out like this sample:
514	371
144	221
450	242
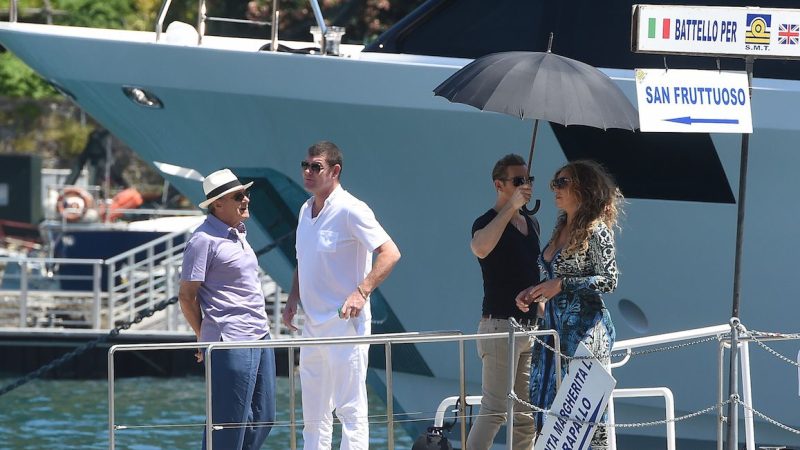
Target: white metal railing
31	297
387	340
31	294
142	277
669	338
135	280
462	400
669	408
202	18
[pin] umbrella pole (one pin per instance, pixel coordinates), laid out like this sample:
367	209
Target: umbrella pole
733	380
538	203
533	144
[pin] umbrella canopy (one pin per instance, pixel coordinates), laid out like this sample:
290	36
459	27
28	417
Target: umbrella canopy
535	85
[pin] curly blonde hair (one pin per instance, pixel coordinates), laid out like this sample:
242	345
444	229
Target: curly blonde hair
599	198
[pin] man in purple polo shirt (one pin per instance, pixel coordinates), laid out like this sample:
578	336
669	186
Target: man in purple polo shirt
221	298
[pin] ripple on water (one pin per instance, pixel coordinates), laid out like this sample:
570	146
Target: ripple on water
70	414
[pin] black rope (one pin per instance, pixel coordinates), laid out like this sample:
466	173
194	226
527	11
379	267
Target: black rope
87	346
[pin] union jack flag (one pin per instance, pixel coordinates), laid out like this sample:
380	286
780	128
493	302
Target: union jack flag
788	34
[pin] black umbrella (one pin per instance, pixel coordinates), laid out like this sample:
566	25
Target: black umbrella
546	86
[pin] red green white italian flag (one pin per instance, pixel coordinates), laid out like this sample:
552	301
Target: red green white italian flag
653	29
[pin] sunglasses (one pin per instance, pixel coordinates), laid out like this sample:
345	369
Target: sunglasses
560	182
519	181
314	167
241	195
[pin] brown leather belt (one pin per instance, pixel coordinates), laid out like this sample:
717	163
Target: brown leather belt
523	322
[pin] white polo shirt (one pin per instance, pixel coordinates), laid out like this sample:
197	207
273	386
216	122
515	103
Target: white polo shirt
334	254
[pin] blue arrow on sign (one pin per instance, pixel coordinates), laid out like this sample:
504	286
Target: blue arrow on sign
688	120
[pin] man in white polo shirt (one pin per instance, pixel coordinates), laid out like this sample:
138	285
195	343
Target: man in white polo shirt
337	235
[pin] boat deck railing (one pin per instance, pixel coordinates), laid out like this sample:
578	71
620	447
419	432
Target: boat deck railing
387	340
203	17
463	401
33	294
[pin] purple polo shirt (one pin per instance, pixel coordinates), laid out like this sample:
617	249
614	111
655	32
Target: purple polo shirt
230	294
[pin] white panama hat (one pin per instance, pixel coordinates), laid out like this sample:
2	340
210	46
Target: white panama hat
220	183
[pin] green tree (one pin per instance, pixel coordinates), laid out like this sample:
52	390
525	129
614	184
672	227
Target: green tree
18	80
364	20
92	13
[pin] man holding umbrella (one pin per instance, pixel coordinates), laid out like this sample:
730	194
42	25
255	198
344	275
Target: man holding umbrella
506	243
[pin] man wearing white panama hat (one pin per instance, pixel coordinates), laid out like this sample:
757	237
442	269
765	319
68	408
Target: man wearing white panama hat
221	298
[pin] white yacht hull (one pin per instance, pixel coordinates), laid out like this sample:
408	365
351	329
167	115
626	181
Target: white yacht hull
424	165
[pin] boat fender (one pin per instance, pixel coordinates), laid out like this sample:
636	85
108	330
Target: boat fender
180	33
73	202
127	199
433	439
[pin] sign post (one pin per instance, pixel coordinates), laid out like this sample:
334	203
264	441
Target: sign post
744	32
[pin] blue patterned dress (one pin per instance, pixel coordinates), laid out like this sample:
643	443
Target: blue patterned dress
577	313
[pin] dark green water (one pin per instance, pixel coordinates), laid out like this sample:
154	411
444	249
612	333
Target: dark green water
163	414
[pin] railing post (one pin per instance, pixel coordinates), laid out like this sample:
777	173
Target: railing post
292	415
172	324
511	373
97	275
209	405
150	277
389	398
111	274
23	298
13	9
201	21
275	20
111	439
323	29
162	15
462	394
720	416
747	395
131	286
733	387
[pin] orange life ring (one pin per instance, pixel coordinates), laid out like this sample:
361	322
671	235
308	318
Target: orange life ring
73	202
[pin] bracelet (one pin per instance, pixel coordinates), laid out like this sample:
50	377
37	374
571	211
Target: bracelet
361	291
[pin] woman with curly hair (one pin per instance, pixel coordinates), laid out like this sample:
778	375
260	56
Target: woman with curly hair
578	265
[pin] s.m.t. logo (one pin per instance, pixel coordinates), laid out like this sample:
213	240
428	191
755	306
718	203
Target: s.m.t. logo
757	31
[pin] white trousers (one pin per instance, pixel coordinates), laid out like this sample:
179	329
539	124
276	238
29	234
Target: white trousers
333	377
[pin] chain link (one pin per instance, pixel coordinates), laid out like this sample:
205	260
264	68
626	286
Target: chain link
85	347
535	408
617	355
771	350
768	419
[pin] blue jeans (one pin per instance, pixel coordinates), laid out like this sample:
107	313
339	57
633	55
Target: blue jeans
242	396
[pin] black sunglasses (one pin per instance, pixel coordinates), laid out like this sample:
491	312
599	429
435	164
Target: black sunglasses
241	195
560	182
519	181
315	166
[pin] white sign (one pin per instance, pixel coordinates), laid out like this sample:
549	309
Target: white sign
693	101
583	395
715	30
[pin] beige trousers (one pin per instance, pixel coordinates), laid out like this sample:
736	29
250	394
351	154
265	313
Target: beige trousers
494	355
